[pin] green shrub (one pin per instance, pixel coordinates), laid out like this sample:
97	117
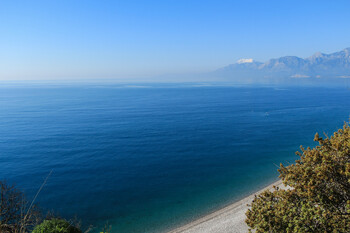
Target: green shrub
319	196
56	226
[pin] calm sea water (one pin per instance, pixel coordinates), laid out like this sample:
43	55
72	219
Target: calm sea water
150	159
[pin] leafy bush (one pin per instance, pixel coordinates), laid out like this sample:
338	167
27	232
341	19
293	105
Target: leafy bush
56	226
319	197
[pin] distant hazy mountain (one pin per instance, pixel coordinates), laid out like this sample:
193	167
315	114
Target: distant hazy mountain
320	67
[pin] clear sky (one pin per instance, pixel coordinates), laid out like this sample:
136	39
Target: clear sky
71	39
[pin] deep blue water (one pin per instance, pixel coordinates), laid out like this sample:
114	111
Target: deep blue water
150	159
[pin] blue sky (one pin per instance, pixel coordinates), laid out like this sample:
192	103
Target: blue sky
71	39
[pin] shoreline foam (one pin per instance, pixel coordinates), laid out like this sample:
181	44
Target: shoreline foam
228	219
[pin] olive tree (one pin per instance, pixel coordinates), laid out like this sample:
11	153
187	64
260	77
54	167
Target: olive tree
318	199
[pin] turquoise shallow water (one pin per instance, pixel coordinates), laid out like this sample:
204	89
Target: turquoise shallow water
151	157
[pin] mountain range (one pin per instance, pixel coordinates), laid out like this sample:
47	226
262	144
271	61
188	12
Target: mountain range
320	67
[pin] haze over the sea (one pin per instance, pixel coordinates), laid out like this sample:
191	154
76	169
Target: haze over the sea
159	40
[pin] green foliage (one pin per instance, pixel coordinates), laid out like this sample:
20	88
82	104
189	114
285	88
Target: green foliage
319	196
56	226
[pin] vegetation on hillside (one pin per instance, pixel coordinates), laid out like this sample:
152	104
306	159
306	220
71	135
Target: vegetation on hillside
17	215
319	196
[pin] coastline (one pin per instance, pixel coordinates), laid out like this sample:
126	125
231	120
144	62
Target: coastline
228	219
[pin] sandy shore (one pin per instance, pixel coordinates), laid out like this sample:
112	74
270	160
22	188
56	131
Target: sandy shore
228	219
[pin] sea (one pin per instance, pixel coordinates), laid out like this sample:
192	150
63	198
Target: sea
151	157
